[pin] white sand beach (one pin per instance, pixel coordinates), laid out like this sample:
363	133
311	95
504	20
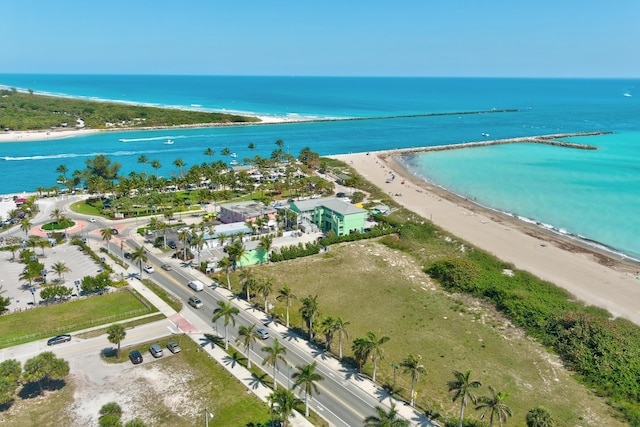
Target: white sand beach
595	278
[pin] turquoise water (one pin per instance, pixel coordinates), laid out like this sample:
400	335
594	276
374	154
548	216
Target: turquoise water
593	194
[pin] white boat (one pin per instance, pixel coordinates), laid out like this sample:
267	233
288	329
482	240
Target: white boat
627	94
234	163
234	155
169	142
485	134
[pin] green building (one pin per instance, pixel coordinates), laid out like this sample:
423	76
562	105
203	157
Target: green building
330	214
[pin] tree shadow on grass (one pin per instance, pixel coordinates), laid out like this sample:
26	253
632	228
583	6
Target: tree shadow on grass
210	339
258	380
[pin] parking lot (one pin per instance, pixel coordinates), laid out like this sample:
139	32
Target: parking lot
18	291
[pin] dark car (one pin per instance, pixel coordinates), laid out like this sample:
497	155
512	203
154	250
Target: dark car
173	347
135	357
172	244
59	339
114	231
127	255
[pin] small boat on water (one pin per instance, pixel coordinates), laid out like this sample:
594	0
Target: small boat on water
627	94
234	155
485	134
169	142
234	163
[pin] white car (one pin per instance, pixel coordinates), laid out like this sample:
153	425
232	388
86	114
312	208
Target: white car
92	220
149	269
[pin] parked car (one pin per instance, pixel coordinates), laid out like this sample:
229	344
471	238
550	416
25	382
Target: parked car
167	267
127	255
156	350
262	333
195	302
172	244
135	357
149	269
173	347
59	339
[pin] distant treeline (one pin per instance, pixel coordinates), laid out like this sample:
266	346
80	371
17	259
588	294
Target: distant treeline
27	111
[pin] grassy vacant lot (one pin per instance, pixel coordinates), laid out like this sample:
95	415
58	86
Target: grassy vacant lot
66	317
384	291
171	391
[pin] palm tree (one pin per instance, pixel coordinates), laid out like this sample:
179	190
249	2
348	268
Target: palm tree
140	256
274	354
385	419
265	287
156	165
143	159
60	268
42	243
247	336
361	350
107	234
184	235
115	335
286	294
25	225
309	310
266	242
179	163
283	402
376	351
341	330
328	327
307	378
494	406
540	417
226	264
55	215
63	170
198	241
209	152
412	366
226	310
462	388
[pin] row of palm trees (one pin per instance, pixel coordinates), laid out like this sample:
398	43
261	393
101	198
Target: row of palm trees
305	377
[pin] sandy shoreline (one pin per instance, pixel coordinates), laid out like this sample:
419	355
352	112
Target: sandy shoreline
591	276
45	135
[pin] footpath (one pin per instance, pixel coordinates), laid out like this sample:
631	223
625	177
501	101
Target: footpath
195	328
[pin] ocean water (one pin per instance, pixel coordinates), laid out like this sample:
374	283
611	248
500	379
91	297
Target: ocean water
594	195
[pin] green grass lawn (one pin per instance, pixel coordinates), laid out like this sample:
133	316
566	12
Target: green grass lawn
165	296
66	317
384	291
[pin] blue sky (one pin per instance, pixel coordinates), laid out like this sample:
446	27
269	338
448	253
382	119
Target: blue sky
477	38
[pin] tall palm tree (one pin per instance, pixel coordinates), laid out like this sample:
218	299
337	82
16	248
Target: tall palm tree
309	310
540	417
115	334
287	295
266	242
376	350
198	241
179	163
226	310
385	419
494	406
60	268
247	336
361	350
283	402
341	330
156	165
184	235
107	234
412	366
55	215
248	281
143	159
25	225
274	353
140	256
209	152
43	243
306	377
265	287
328	328
226	264
63	170
462	388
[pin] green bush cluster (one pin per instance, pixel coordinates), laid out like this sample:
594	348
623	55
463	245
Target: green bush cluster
98	283
25	111
295	251
57	291
605	352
